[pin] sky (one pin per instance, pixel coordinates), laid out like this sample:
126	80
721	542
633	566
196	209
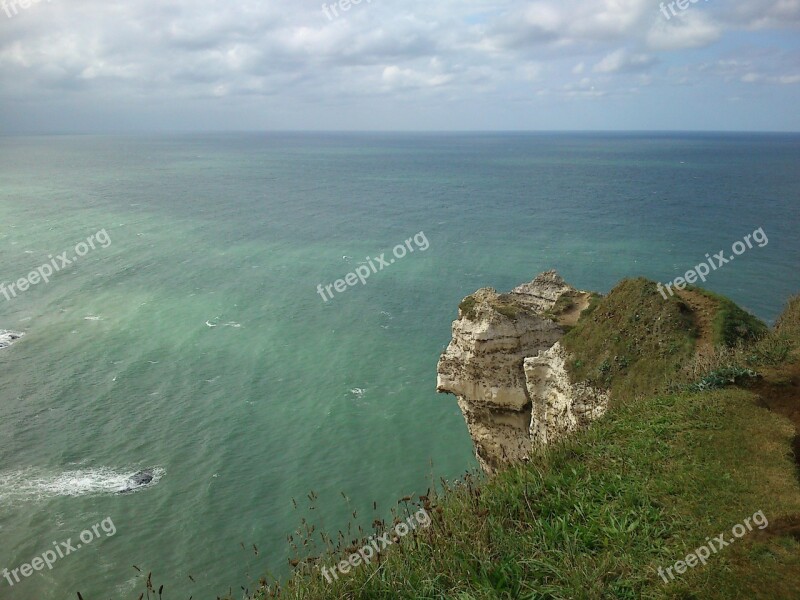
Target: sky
117	66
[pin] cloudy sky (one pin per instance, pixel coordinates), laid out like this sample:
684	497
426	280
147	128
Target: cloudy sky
185	65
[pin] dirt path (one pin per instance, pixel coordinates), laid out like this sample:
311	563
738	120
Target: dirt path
571	316
704	309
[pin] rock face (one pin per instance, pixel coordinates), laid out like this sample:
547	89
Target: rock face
559	406
509	373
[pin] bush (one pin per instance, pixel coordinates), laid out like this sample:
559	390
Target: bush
721	378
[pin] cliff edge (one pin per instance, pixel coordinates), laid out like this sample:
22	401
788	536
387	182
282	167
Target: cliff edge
509	373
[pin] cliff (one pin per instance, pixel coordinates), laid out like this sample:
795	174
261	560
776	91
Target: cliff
509	374
684	452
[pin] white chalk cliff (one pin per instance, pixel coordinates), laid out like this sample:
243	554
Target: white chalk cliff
508	371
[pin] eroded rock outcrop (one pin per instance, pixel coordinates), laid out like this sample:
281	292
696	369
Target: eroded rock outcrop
559	406
509	374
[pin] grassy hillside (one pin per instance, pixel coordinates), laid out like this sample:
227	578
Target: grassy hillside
732	324
789	322
607	512
632	341
598	515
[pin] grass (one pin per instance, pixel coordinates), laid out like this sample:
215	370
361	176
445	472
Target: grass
564	303
733	324
632	340
771	349
508	307
596	515
720	378
505	304
789	322
467	308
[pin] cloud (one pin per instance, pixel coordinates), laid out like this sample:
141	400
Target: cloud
395	77
109	54
621	61
753	77
687	30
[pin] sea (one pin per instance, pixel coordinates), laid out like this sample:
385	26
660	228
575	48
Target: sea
187	334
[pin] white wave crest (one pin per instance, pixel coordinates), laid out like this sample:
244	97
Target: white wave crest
8	337
32	484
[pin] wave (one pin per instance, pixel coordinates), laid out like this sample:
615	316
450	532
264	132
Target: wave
33	484
8	337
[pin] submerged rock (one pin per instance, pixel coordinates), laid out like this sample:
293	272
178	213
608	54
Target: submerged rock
8	337
140	479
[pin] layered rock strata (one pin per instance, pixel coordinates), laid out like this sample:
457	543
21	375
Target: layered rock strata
508	372
558	406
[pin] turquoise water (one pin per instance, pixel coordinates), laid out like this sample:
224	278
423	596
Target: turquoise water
196	342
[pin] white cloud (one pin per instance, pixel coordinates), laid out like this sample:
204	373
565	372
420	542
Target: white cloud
623	61
396	78
687	30
102	52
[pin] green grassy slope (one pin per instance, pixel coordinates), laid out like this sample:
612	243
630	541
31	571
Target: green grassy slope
733	324
597	515
633	341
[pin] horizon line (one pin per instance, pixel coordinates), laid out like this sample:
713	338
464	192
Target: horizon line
389	131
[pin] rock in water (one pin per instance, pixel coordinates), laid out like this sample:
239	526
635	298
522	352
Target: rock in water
138	480
8	337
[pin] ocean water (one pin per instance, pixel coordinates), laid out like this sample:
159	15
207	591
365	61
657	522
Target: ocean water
196	343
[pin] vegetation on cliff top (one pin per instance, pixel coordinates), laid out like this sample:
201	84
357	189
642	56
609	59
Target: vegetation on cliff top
506	304
732	324
633	341
598	514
